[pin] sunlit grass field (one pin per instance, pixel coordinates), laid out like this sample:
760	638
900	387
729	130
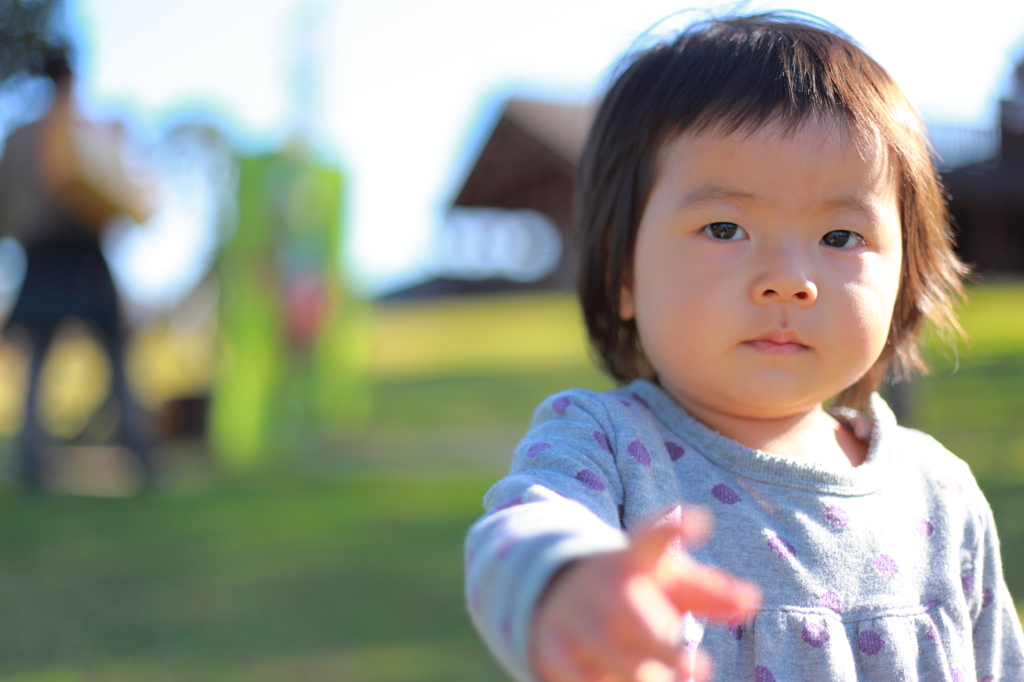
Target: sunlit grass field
294	579
343	560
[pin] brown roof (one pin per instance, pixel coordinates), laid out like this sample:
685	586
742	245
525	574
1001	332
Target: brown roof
530	159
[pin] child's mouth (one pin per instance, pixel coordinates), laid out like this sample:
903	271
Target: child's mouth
777	343
772	348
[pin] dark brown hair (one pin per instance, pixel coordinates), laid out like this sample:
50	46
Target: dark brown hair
57	68
741	74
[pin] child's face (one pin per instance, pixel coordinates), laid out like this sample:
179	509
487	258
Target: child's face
766	268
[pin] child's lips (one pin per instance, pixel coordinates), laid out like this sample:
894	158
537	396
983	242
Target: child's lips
777	343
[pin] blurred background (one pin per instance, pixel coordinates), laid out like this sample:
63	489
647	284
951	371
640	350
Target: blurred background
346	298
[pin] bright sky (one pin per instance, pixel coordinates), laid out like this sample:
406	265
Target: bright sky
404	86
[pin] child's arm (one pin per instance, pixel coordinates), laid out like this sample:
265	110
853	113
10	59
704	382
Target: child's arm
616	615
512	554
998	639
573	481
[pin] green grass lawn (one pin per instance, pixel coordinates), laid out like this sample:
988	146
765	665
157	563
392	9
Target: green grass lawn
343	562
294	579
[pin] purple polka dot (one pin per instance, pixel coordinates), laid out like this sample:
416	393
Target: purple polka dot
602	441
871	643
967	583
956	675
517	500
725	494
924	528
626	403
561	404
590	480
816	635
837	516
933	634
988	678
640	400
929	605
885	565
831	600
987	597
638	452
763	674
537	448
781	547
675	451
736	629
505	546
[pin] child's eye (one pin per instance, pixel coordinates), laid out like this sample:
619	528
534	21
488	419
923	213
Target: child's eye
725	231
842	239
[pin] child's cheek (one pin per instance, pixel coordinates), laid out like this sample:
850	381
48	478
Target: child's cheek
872	301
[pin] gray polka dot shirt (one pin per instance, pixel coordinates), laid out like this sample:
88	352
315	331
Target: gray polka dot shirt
886	571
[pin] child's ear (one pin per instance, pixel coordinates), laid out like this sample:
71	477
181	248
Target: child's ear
627	311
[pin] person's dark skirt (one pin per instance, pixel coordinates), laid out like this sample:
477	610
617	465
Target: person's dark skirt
65	279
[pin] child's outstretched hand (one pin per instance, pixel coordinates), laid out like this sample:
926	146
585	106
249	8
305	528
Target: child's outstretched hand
614	617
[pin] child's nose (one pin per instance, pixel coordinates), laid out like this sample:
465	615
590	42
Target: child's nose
801	292
785	283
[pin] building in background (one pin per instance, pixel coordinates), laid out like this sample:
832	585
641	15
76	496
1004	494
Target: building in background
508	224
987	198
507	228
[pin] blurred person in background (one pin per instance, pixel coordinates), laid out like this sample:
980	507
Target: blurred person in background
61	181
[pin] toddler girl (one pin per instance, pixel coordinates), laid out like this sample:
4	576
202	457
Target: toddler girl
762	233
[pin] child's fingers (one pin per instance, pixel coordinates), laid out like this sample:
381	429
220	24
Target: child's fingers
697	668
649	545
615	617
638	645
620	648
689	585
695	524
583	662
707	591
651	622
587	645
556	664
654	671
690	525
